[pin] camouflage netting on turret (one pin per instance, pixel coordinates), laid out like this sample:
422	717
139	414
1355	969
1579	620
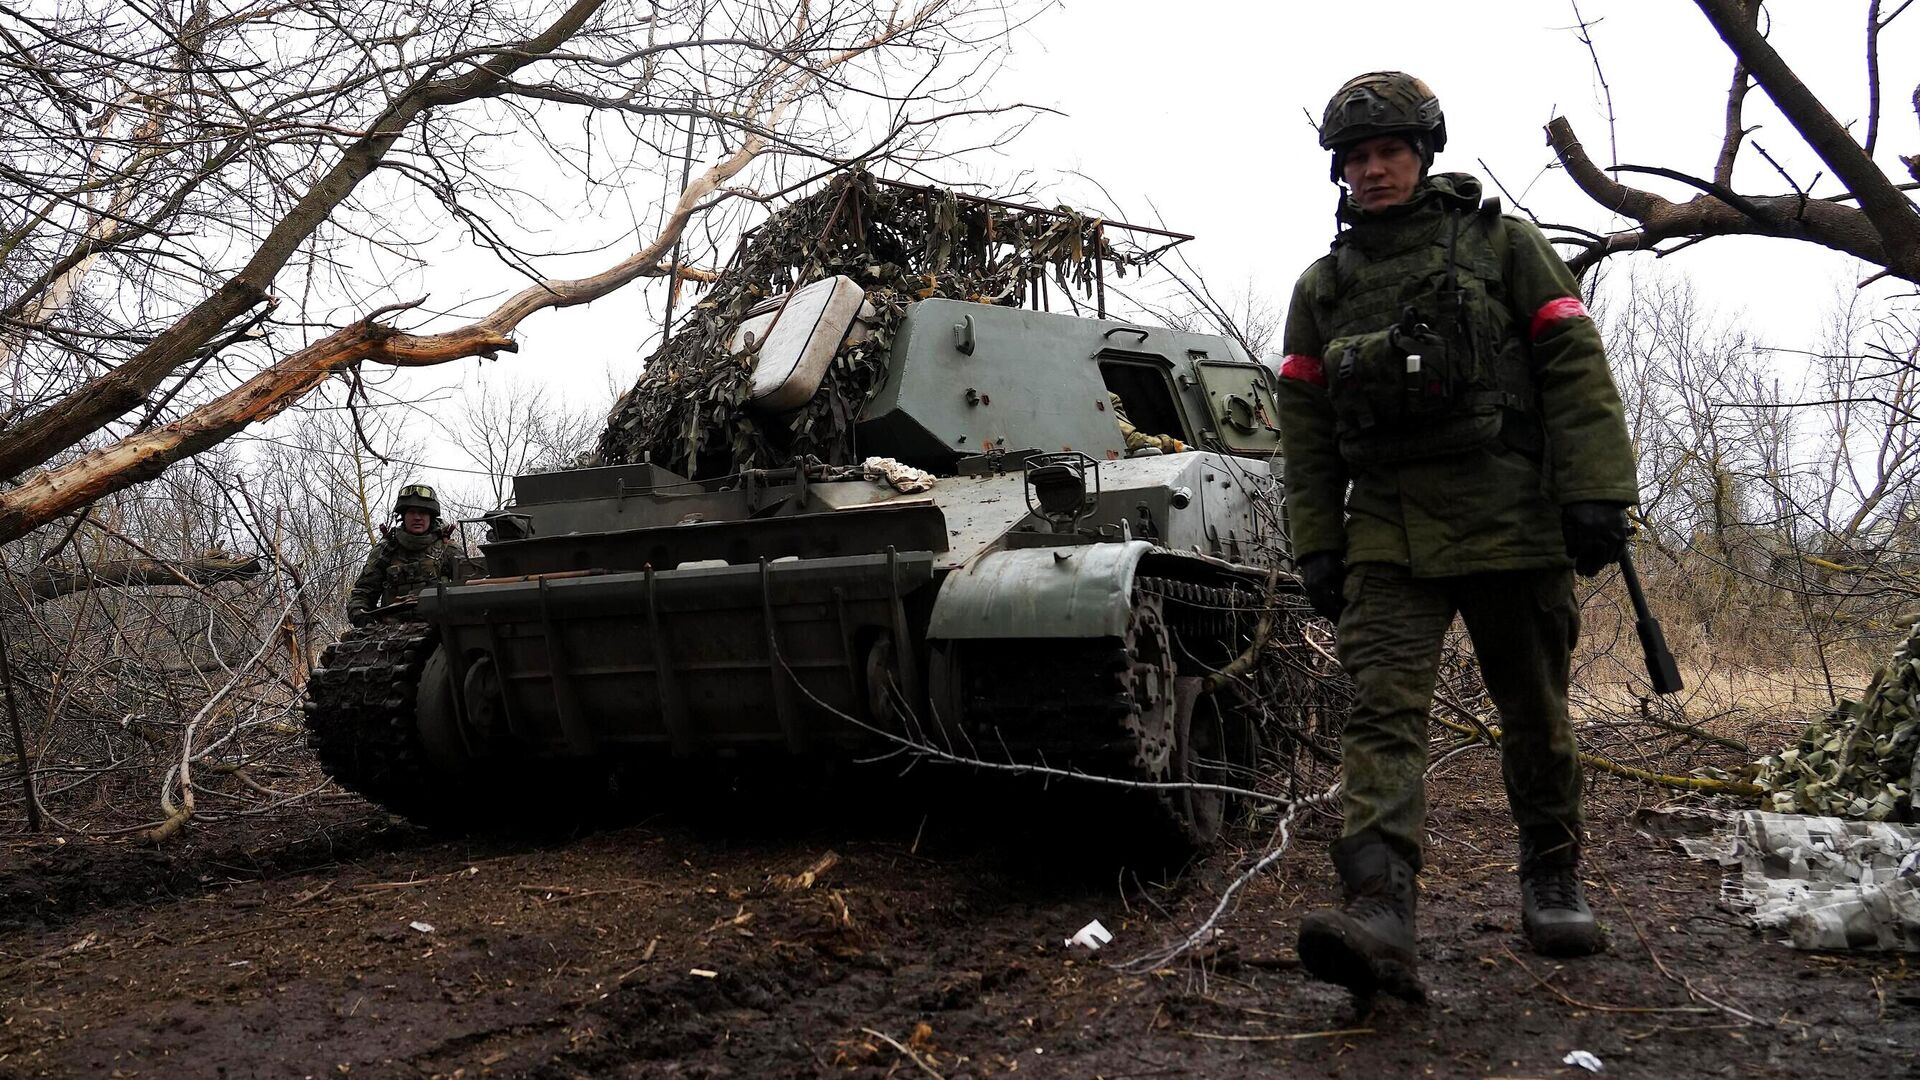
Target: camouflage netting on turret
1860	760
688	411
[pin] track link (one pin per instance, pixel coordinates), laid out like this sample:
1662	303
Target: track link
1102	707
1200	612
1067	703
360	715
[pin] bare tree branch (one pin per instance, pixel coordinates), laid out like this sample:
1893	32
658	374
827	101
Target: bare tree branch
1736	102
1892	215
1842	228
1873	76
85	409
47	583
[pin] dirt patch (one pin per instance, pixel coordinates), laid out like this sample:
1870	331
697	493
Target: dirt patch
350	946
46	885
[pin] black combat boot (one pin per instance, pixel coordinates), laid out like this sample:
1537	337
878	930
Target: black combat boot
1368	944
1553	904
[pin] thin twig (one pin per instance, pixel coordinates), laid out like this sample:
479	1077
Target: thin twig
19	736
1679	980
1576	1003
910	1054
1202	933
1296	1037
1586	38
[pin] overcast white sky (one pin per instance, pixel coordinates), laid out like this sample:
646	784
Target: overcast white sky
1197	112
1206	113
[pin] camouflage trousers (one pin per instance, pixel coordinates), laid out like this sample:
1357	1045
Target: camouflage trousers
1523	624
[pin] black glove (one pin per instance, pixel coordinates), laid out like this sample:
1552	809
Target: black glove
359	616
1322	574
1596	534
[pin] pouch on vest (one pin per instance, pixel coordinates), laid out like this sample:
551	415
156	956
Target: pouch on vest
1398	395
1391	378
1416	391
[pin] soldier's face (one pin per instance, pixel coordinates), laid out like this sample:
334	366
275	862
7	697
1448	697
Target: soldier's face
1381	171
416	522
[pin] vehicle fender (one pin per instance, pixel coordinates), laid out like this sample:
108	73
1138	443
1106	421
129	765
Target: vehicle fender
1077	591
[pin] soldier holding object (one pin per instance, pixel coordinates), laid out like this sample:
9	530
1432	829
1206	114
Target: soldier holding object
1455	444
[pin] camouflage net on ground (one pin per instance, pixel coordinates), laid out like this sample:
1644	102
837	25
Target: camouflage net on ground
688	412
1858	761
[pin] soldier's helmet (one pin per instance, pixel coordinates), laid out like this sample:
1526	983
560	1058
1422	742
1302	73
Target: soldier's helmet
417	497
1383	103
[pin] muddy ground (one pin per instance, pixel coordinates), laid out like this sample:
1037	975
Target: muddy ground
333	941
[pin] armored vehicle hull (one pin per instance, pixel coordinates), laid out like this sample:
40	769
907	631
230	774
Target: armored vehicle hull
1023	612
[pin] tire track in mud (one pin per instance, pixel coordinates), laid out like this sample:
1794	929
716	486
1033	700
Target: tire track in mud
48	886
884	940
577	958
791	999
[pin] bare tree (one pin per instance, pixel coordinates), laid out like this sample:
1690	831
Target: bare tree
1874	219
197	185
1247	314
1779	496
514	428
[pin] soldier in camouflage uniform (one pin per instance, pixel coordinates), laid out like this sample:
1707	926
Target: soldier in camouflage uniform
1454	445
1141	440
407	558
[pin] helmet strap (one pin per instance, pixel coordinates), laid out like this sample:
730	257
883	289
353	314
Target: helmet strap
1423	145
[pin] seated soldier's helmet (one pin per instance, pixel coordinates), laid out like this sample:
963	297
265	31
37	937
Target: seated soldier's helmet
417	497
1383	103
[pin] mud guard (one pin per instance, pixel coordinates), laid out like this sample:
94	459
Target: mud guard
1079	591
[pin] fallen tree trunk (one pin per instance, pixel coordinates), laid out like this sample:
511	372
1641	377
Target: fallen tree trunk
48	583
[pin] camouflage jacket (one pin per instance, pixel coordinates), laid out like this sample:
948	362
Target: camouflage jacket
1137	439
1491	508
400	566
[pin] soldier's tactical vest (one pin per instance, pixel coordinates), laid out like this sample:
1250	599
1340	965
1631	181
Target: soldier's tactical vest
1423	358
410	569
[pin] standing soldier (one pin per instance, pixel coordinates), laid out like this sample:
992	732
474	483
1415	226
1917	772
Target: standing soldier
406	559
1454	444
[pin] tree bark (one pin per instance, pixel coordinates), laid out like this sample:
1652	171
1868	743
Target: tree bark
1820	221
38	438
1893	215
47	583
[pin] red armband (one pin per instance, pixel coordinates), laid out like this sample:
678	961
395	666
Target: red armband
1307	369
1553	311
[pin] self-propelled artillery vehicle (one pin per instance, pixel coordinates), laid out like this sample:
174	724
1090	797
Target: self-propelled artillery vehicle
1013	586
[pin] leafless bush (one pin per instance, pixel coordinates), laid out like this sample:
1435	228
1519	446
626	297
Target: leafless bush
1778	520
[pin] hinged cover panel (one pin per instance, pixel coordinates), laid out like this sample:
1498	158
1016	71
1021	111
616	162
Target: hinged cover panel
1240	406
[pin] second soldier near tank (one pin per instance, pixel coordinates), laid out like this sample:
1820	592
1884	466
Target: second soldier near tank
1454	444
412	555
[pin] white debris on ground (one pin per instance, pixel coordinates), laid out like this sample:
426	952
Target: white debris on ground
1584	1060
905	479
1091	936
1828	883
